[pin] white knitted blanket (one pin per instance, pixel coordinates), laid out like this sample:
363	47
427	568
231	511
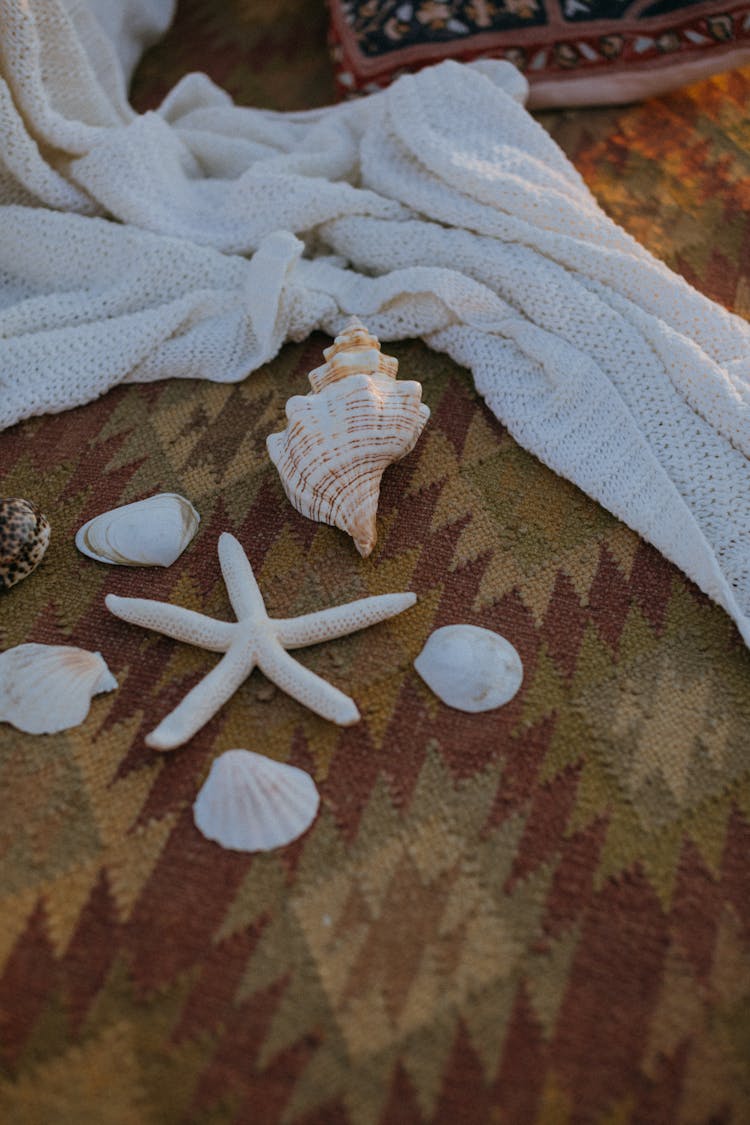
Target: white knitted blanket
437	208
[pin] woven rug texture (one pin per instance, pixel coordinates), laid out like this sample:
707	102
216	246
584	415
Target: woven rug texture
536	915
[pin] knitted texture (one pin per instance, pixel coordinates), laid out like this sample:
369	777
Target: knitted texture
437	208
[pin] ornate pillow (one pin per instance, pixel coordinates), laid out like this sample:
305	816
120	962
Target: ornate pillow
573	52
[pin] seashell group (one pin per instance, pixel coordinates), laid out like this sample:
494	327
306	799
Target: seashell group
341	437
150	532
24	537
470	668
48	688
251	803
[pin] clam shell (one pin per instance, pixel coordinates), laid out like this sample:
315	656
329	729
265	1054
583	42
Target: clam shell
342	437
250	803
470	668
150	532
48	688
24	537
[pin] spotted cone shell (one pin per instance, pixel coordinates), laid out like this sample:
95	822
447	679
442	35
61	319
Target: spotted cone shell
24	537
340	438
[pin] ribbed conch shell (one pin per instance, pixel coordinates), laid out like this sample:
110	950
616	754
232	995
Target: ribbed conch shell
24	536
251	803
150	532
341	437
470	668
48	688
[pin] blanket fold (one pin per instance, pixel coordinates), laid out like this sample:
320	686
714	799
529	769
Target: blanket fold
193	241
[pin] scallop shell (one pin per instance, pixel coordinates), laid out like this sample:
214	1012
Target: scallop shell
341	437
24	537
251	803
150	532
48	688
470	668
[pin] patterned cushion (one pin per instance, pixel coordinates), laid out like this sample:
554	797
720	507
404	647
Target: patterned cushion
573	52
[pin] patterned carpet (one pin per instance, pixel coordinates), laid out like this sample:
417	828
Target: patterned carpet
538	915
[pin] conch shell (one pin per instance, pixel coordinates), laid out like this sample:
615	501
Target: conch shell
24	537
341	437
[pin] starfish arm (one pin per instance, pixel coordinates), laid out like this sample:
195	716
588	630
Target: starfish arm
304	686
202	703
173	621
296	632
239	579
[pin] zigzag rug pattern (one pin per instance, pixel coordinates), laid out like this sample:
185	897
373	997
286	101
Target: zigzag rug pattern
538	915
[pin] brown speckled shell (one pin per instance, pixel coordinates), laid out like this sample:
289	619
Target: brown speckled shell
24	536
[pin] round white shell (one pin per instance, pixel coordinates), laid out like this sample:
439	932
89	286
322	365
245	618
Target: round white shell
470	668
251	803
48	688
150	532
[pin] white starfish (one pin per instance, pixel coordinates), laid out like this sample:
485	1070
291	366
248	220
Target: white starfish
254	639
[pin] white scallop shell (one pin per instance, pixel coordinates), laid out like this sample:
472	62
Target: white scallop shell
48	688
470	668
342	436
150	532
251	803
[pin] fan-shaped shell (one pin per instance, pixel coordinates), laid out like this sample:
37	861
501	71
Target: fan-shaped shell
250	803
470	668
342	437
48	688
150	532
24	537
